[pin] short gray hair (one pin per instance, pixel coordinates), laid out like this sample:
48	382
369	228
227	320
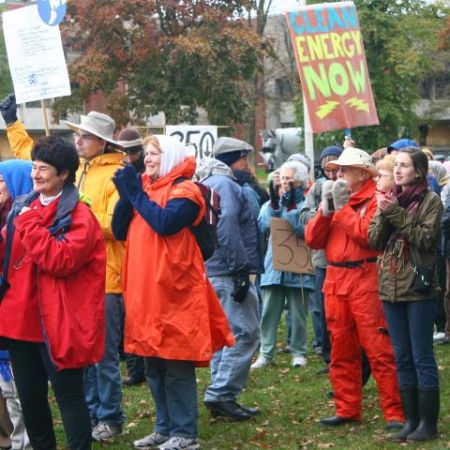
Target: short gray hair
300	173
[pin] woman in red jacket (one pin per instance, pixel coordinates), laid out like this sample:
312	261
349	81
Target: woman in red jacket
52	307
173	317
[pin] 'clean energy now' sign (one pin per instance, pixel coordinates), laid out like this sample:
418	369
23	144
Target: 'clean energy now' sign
330	57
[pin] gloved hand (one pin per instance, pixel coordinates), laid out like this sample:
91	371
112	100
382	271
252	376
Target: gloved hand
8	109
130	180
120	186
274	195
288	199
341	193
327	198
241	286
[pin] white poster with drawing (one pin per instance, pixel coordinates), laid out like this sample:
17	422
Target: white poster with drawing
35	55
201	137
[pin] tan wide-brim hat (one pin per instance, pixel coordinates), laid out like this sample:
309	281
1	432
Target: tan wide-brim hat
354	157
98	124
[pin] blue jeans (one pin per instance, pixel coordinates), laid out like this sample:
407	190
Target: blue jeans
411	330
314	308
102	382
231	365
320	300
174	390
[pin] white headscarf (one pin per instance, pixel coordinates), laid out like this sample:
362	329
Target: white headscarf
173	153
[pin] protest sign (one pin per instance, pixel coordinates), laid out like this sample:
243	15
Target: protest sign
201	137
330	57
35	55
290	254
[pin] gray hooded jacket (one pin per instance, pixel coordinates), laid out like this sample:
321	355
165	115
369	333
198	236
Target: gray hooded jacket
239	246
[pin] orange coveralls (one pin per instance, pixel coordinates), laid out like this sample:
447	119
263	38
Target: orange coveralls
353	310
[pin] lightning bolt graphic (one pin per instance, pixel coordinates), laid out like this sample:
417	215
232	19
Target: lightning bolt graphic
326	109
360	105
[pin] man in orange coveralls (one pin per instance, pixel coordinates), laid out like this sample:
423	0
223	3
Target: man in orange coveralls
354	312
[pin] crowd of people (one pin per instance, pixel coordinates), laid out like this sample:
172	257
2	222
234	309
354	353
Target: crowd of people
100	244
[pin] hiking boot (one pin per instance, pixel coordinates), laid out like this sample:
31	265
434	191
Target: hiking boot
230	409
104	431
180	443
298	361
261	362
151	441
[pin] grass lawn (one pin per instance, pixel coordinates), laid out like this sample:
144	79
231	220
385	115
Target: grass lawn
292	401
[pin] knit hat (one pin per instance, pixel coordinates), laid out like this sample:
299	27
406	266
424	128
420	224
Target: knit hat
401	143
332	150
229	150
131	140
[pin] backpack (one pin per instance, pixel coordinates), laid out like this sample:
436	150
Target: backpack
205	232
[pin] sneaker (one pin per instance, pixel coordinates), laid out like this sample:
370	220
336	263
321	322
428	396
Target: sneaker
104	431
150	441
298	361
261	362
180	443
439	336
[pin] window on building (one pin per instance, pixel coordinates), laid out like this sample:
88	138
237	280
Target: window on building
283	89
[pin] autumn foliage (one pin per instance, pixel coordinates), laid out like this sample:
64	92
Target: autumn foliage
148	56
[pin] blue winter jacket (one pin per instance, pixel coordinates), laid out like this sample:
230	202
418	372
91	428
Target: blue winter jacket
239	247
271	276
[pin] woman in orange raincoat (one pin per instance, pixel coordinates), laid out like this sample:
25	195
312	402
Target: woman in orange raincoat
173	317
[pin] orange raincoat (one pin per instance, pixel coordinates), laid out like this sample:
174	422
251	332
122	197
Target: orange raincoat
172	311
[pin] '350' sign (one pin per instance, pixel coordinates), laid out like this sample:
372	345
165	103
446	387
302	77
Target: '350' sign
201	137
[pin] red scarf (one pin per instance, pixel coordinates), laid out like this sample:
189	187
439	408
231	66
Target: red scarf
410	197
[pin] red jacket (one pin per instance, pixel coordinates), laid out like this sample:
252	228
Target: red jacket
57	286
172	312
344	234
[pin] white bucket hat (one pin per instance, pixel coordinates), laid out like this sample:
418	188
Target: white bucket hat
98	124
354	157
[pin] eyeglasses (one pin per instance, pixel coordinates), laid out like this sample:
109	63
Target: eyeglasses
84	136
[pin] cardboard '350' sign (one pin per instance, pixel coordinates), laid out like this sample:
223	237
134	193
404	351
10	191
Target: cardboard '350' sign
290	254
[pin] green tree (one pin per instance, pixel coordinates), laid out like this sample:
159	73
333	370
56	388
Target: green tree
401	41
171	56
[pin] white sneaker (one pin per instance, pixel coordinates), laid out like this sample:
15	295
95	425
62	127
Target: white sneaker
261	362
150	441
104	432
298	361
180	443
439	336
